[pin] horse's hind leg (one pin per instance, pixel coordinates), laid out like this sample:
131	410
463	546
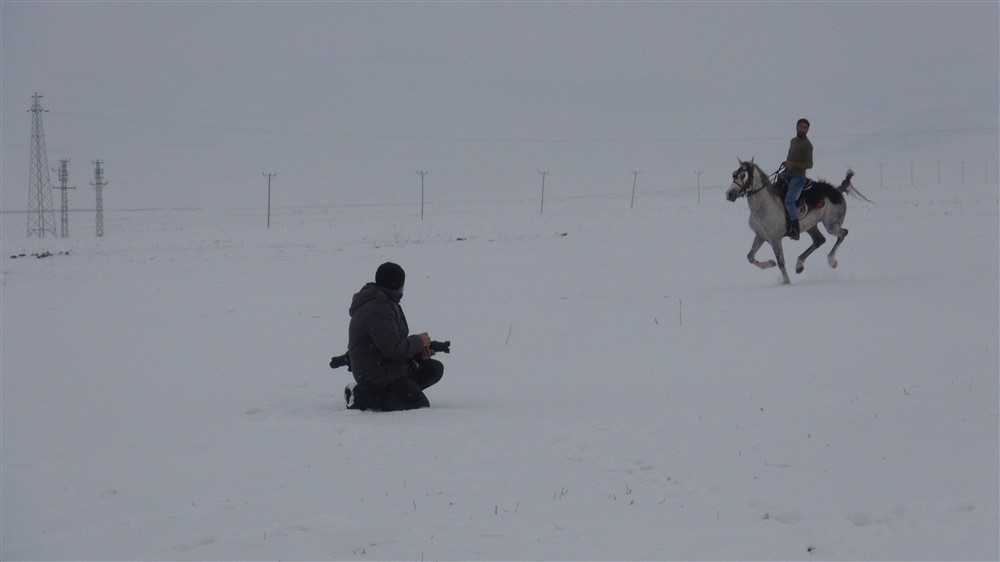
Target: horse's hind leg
834	225
817	240
832	257
751	257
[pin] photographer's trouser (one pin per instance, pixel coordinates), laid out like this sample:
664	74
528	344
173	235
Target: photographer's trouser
407	393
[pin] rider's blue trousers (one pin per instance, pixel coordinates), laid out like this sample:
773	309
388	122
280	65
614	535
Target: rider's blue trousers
795	187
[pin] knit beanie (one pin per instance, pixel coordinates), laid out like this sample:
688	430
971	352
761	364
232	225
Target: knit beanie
390	276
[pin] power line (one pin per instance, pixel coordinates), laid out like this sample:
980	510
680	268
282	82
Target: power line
528	140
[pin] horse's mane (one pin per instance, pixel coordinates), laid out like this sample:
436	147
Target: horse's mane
766	177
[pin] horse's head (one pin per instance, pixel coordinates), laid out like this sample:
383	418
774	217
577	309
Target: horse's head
743	180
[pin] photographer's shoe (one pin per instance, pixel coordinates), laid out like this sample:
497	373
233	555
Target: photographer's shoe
349	396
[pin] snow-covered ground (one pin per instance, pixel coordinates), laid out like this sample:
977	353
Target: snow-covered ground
622	385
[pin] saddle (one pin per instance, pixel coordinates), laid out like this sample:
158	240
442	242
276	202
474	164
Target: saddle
809	200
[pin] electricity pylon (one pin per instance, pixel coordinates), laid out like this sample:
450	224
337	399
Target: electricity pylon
63	180
41	218
99	184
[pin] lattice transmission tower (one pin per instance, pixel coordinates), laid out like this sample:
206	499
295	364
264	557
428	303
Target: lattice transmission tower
41	217
99	184
63	180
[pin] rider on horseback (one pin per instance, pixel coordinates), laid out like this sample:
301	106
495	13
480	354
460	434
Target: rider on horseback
799	159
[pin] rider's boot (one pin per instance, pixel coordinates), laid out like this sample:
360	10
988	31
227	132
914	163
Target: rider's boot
788	223
793	229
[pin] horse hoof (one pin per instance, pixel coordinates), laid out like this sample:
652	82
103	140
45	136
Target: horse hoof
799	267
833	262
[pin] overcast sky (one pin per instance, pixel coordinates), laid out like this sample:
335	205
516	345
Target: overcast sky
188	103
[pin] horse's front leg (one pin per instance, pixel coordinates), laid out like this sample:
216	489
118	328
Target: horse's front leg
817	240
779	254
757	243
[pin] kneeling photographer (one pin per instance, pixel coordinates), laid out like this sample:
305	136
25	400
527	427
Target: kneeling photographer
391	367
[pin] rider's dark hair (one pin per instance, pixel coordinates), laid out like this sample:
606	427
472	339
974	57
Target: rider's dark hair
803	120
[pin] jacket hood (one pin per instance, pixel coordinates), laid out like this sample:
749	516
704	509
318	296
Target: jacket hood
371	292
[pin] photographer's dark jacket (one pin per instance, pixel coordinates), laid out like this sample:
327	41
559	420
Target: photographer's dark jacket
378	339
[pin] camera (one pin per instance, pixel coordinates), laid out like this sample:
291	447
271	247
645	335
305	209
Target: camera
441	346
341	361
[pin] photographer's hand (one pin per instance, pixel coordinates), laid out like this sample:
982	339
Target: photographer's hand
427	352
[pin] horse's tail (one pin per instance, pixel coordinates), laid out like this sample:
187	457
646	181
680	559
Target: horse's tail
847	187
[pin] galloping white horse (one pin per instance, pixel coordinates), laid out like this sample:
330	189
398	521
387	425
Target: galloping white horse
825	205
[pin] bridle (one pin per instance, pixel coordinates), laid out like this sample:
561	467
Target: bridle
746	189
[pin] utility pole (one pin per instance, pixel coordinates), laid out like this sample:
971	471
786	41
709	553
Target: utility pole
269	176
699	173
881	185
635	180
41	218
99	184
63	180
543	174
422	173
